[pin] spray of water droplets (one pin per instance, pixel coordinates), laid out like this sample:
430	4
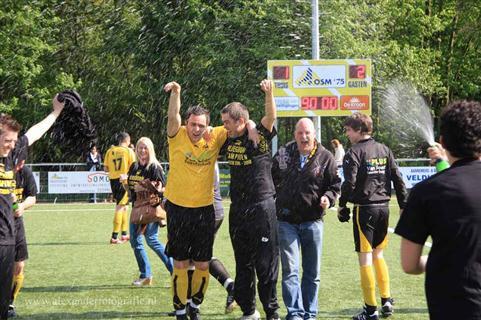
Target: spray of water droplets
405	112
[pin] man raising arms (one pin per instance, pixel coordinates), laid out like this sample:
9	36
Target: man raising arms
13	150
252	217
189	193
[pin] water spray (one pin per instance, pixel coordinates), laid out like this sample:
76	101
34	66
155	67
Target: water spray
407	114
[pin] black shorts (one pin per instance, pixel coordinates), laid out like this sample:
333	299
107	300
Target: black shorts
190	232
121	195
21	252
370	224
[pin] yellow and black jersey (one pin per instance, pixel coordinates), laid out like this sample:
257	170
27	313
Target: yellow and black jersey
25	184
118	160
191	172
250	167
7	188
138	172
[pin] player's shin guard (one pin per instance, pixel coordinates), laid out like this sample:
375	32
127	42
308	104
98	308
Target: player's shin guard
17	285
382	276
125	222
218	271
200	282
117	221
179	288
368	285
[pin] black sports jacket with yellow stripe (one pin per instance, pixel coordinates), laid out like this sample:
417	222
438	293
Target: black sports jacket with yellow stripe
369	168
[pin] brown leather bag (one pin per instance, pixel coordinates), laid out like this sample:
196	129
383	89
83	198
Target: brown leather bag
147	206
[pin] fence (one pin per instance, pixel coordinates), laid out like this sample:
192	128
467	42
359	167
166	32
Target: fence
71	182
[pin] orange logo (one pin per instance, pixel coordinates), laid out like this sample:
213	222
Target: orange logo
354	102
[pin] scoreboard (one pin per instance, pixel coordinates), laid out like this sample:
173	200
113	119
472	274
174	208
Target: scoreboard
305	88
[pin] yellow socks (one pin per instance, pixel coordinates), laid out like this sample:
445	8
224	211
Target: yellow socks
125	222
180	284
117	221
200	282
368	285
382	277
17	284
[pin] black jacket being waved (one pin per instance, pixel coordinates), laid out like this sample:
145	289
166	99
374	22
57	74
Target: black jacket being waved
299	190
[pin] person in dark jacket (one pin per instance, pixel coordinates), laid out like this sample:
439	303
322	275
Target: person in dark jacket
447	208
369	168
306	181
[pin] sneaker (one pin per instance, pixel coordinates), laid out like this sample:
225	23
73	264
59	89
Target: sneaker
171	314
194	313
115	241
11	311
124	238
255	316
140	282
230	303
387	308
274	316
365	316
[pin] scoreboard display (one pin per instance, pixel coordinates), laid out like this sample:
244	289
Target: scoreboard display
305	88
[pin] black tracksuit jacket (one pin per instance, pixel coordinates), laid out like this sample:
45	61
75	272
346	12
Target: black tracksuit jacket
369	168
299	191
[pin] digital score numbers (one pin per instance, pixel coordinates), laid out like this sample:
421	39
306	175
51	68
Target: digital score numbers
320	103
321	87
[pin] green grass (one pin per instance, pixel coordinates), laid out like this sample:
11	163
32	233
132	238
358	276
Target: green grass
74	273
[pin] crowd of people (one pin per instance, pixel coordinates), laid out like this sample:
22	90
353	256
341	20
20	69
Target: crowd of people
277	209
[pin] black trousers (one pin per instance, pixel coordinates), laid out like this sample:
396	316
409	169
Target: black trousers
7	261
253	232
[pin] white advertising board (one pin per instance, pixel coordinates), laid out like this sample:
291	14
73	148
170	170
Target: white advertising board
78	182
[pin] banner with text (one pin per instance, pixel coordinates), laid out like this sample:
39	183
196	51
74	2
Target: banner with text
78	182
411	175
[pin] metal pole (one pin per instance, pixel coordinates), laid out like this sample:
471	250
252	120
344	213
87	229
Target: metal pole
315	54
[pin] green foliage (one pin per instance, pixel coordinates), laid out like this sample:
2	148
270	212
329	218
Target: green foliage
119	54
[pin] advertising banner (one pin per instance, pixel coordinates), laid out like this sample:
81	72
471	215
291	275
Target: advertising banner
78	182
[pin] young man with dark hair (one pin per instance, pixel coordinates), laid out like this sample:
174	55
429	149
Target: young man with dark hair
447	207
117	163
252	216
26	197
13	150
191	223
369	168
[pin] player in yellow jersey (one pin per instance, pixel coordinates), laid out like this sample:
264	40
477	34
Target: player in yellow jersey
191	222
117	162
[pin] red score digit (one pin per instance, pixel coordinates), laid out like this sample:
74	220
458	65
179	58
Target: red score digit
357	72
320	103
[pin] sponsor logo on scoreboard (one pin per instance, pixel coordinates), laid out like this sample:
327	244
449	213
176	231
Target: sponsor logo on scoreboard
287	103
354	102
323	76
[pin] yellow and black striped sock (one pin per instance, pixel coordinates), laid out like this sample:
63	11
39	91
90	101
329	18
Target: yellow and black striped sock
368	285
200	282
382	276
17	285
180	284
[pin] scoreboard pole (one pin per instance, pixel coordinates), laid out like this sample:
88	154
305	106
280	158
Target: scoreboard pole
315	55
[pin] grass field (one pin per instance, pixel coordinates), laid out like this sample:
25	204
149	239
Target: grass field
74	273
